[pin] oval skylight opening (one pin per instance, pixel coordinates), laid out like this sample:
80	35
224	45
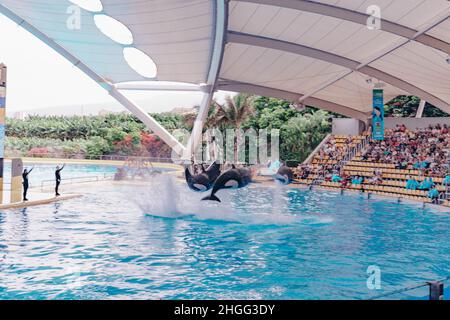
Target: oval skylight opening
89	5
113	29
140	62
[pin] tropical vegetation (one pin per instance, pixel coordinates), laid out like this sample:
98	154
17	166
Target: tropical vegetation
301	130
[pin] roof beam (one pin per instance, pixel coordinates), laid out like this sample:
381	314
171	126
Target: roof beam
230	85
148	120
218	49
253	40
159	86
356	17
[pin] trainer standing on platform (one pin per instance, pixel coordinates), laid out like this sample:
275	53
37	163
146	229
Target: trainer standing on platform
25	183
58	178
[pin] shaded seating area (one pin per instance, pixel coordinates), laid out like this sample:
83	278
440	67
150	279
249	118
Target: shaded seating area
409	164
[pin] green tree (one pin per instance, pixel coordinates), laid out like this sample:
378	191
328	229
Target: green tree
407	106
234	113
301	135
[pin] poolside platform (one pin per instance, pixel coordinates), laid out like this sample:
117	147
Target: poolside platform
36	199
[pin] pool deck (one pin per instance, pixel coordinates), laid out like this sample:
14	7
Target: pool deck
36	199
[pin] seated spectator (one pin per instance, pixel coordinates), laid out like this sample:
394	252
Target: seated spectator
402	165
376	180
421	165
433	194
345	180
412	184
357	180
305	173
426	184
446	180
336	178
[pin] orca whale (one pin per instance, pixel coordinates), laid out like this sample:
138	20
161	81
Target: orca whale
213	171
199	182
284	175
246	175
232	178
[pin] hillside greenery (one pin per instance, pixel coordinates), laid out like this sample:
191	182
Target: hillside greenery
123	134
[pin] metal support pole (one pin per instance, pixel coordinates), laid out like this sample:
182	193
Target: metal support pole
436	290
421	108
149	121
221	24
16	180
3	71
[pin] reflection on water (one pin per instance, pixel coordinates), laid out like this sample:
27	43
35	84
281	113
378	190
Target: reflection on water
161	241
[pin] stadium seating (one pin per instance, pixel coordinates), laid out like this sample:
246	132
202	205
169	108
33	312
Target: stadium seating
405	154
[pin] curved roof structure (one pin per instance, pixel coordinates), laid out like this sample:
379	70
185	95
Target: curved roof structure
326	53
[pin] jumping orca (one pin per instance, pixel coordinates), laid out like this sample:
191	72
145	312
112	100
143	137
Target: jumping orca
213	172
231	178
284	175
199	182
246	175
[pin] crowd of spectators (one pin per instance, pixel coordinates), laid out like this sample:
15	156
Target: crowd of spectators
334	150
426	150
423	149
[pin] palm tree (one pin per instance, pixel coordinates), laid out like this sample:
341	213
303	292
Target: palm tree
234	113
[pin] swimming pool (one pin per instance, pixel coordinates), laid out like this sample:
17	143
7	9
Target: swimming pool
160	242
46	172
43	171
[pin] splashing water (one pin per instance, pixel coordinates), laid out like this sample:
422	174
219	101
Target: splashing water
159	197
164	197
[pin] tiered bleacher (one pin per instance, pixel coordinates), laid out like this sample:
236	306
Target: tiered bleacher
411	164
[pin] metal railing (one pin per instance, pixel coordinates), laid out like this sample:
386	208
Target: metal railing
106	157
317	149
345	159
436	290
74	180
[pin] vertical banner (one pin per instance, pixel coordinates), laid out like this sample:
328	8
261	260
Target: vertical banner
16	180
2	124
378	115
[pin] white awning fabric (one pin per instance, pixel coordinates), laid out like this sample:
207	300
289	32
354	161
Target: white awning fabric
310	51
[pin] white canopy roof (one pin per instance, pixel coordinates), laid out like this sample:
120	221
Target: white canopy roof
317	52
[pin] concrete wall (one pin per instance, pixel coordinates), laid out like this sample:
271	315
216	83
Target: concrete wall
352	127
414	123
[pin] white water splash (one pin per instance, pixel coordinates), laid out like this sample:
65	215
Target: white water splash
163	197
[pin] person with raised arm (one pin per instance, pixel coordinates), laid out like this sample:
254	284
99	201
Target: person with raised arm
25	182
58	178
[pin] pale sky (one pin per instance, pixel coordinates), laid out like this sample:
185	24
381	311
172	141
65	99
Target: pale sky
39	78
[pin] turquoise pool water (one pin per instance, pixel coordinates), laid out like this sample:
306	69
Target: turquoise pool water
160	242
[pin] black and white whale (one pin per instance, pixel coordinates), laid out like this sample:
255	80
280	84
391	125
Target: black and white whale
199	182
213	171
204	181
230	179
284	175
246	175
